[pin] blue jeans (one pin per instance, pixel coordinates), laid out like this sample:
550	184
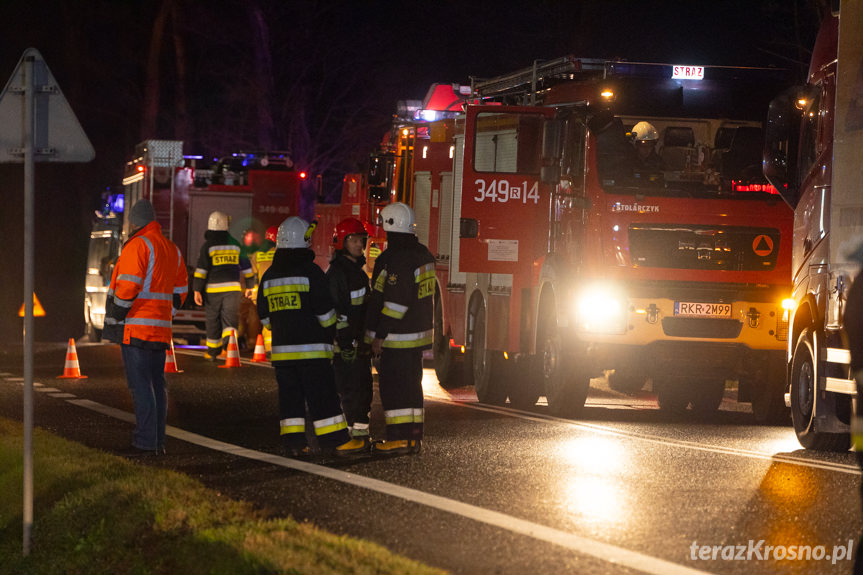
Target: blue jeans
145	376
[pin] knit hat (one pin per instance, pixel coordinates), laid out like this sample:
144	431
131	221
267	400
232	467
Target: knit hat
141	214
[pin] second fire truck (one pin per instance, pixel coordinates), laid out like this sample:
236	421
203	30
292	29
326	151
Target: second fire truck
560	258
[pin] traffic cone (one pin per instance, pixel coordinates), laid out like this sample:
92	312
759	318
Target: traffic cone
260	353
171	360
233	358
71	370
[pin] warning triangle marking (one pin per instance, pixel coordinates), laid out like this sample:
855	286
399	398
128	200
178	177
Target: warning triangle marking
38	310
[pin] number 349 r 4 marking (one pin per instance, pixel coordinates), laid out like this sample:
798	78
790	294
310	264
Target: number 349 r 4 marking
502	191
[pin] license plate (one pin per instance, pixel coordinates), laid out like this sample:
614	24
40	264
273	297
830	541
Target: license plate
702	309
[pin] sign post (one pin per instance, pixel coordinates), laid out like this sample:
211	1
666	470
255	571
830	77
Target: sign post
36	124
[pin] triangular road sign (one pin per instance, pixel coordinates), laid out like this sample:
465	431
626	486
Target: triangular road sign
57	135
38	310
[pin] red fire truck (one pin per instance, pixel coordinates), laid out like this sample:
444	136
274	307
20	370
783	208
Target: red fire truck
256	190
560	258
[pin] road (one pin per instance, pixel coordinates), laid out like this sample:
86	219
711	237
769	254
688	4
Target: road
495	490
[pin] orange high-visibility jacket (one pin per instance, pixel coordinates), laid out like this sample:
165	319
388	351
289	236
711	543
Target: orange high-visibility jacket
148	282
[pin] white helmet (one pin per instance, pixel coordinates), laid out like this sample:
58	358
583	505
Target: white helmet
398	217
292	233
218	222
644	131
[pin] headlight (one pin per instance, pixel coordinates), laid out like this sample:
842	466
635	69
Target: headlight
600	309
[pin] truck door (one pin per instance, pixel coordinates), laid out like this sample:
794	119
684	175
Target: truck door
504	205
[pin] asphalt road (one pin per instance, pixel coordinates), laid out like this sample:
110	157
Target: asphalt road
495	490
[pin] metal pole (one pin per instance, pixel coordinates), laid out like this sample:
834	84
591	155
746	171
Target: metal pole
29	96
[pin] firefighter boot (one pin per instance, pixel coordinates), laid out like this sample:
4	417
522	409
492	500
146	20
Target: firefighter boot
392	447
356	446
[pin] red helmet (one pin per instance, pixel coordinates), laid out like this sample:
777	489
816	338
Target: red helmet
345	228
272	232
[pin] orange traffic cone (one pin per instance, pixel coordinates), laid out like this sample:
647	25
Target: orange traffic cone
71	370
171	360
233	359
260	352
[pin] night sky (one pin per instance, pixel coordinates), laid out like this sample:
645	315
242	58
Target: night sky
333	71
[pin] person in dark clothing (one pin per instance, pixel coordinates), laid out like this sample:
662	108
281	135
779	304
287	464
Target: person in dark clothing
853	320
399	326
222	273
294	301
349	287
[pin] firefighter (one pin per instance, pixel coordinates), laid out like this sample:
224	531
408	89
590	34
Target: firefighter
349	287
295	302
249	324
221	273
261	261
399	328
645	138
149	282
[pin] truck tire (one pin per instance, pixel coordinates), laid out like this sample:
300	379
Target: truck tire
672	395
488	379
564	381
448	367
94	334
706	396
768	400
523	389
804	397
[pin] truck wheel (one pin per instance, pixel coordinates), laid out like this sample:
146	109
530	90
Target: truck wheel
448	367
768	401
804	397
672	396
523	390
706	396
485	365
565	383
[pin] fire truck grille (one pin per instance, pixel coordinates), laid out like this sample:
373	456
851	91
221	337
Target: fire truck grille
701	327
703	247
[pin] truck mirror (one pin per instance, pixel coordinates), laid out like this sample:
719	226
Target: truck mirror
779	158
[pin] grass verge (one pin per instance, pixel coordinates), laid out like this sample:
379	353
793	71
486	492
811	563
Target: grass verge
97	513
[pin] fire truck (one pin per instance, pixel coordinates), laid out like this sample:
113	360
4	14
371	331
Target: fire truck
255	189
812	155
560	259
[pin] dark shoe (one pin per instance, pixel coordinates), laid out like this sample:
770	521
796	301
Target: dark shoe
297	453
393	447
209	357
133	451
356	446
415	445
161	450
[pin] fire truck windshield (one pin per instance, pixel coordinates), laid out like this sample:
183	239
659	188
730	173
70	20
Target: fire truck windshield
684	157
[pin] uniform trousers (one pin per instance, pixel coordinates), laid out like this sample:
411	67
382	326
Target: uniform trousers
400	383
222	313
354	382
310	382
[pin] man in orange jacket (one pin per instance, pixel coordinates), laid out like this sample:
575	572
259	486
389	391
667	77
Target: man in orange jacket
148	284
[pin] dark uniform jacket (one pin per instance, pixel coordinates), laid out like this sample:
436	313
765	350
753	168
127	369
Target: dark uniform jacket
220	264
853	322
349	287
294	301
401	310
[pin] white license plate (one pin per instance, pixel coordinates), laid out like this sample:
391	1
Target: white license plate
702	309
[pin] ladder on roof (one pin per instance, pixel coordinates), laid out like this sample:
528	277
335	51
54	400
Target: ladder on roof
526	81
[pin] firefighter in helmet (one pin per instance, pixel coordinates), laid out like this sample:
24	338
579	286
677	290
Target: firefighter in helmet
349	287
399	328
295	303
221	274
261	261
645	138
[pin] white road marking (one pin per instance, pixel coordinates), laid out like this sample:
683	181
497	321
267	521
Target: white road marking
48	390
602	551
